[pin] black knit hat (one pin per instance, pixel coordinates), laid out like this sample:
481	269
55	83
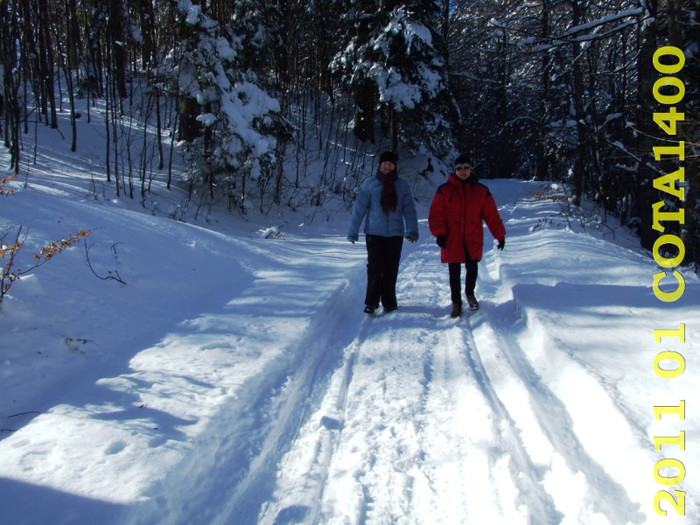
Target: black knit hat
462	159
388	156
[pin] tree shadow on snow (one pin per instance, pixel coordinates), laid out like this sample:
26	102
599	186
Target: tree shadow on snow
28	503
565	296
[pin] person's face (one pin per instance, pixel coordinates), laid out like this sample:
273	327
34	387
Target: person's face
463	171
387	166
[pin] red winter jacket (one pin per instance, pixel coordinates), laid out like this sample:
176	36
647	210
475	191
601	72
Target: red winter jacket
457	211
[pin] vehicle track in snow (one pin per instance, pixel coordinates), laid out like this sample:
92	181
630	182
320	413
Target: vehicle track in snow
431	419
230	469
411	427
376	392
549	413
435	420
533	407
524	474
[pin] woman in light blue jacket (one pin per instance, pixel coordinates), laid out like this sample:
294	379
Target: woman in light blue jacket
387	203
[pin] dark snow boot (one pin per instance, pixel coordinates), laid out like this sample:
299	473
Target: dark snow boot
473	303
456	310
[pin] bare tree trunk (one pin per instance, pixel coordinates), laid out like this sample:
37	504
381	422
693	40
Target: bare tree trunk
394	126
541	156
47	62
115	35
647	130
577	88
684	36
172	147
8	56
68	71
107	140
159	129
365	98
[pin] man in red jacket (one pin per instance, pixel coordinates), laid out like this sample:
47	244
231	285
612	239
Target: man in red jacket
456	218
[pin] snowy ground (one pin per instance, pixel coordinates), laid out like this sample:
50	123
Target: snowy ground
235	380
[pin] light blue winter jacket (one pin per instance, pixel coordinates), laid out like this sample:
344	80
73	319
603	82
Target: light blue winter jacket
369	204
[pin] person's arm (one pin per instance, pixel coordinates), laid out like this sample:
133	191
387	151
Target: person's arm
410	217
436	215
493	220
358	213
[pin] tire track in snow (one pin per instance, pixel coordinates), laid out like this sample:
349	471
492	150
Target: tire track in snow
465	468
317	353
458	439
498	328
374	473
410	429
386	456
230	470
362	413
541	508
556	423
302	473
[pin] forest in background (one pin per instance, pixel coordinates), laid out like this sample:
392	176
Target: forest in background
246	91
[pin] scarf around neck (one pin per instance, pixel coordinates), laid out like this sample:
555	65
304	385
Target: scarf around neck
389	196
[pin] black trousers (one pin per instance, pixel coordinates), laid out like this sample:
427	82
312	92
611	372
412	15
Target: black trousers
472	267
383	257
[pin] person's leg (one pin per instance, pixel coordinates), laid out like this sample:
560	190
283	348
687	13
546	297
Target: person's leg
472	273
392	260
374	258
455	282
456	288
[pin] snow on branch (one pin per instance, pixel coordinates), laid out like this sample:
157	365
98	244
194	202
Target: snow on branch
591	27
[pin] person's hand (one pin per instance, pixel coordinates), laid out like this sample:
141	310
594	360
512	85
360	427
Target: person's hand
412	238
441	241
502	244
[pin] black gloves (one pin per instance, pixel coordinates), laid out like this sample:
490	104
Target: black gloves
502	243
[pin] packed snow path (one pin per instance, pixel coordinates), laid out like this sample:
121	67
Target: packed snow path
290	405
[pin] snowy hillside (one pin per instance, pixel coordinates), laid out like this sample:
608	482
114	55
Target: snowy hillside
234	378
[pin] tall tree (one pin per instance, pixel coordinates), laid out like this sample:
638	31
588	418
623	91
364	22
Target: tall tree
117	38
686	17
360	18
11	68
240	121
578	12
669	23
392	62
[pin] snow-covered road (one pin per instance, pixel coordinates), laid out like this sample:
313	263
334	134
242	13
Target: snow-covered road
276	400
434	420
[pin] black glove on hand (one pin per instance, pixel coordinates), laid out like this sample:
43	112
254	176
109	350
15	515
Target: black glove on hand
501	244
441	241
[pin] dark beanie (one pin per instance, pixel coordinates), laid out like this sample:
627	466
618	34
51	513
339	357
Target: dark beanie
462	159
388	156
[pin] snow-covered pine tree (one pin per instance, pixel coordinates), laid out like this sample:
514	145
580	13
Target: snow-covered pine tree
392	62
240	123
258	24
261	26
